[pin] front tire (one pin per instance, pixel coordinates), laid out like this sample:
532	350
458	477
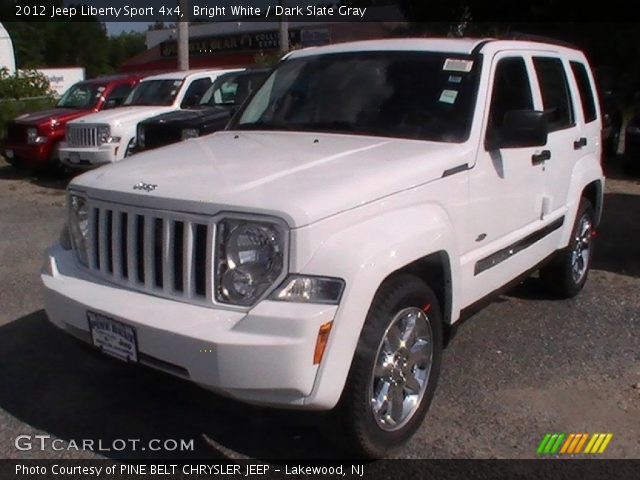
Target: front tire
395	369
567	272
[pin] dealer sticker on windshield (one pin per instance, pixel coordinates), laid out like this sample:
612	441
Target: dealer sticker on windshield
449	96
457	65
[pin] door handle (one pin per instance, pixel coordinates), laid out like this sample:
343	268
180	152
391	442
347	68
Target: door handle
538	158
578	144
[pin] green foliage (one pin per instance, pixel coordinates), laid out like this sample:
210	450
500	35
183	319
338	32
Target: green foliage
27	91
125	46
64	44
24	84
10	109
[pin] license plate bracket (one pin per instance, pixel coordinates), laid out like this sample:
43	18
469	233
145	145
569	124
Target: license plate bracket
113	337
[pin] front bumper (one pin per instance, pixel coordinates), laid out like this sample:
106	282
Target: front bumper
264	356
27	154
89	157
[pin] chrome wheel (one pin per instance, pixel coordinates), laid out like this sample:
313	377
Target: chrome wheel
581	249
401	370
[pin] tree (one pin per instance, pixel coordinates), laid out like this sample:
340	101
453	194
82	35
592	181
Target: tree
125	46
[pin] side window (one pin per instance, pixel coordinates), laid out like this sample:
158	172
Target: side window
586	93
511	91
117	95
555	92
195	92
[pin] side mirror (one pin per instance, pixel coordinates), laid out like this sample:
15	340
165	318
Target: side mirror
521	128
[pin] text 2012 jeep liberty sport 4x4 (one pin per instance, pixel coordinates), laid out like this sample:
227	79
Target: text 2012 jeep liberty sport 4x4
322	246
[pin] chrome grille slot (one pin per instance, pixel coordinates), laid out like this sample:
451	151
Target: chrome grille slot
163	253
82	136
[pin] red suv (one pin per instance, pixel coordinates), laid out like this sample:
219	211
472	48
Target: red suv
32	139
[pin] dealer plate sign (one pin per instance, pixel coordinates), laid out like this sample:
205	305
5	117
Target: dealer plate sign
113	337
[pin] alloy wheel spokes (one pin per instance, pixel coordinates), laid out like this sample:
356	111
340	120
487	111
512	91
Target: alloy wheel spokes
401	370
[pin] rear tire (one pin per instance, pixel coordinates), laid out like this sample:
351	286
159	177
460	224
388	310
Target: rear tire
395	369
567	272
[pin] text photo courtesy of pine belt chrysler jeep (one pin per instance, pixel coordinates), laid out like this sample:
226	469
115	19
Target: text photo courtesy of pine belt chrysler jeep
110	136
33	138
323	245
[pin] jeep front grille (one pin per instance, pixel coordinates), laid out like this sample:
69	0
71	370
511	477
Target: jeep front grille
82	136
167	254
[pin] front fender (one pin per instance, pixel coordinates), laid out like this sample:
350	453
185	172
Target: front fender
364	254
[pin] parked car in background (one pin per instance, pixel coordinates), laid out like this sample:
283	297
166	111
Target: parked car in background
611	107
631	159
212	113
34	138
106	137
323	246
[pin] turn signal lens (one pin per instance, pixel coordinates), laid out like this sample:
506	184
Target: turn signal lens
321	342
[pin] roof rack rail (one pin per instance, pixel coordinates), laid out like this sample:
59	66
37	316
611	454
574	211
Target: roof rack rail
537	38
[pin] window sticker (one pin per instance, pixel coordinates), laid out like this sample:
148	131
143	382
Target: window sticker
177	83
455	79
449	96
457	65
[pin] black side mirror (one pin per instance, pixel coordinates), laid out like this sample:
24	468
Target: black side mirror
521	128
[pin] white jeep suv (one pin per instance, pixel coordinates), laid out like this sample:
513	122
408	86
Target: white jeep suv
108	136
318	252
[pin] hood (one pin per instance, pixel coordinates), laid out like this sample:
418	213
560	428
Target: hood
300	177
196	116
123	115
61	115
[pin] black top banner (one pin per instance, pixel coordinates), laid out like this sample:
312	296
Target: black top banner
317	10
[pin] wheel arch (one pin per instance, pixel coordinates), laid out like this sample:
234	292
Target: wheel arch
417	239
593	192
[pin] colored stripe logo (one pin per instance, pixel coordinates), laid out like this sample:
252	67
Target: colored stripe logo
573	443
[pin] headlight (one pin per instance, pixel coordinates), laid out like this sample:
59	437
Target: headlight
79	226
33	138
104	135
140	136
633	130
250	260
309	289
188	133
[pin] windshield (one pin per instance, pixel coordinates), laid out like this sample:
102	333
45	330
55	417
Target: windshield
232	88
81	96
417	95
154	93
